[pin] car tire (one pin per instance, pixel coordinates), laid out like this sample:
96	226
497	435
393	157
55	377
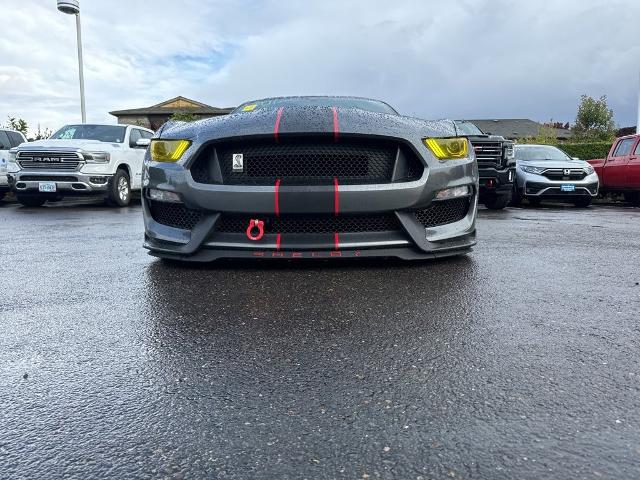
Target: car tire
31	200
535	201
119	194
516	197
633	198
497	202
582	202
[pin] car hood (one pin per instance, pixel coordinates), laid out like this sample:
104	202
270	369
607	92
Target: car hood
79	144
314	120
553	163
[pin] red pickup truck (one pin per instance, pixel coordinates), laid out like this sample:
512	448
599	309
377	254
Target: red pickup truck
620	171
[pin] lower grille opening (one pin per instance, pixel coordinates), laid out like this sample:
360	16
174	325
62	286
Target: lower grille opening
443	212
310	224
48	178
174	215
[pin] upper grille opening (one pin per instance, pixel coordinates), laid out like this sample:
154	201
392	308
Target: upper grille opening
306	161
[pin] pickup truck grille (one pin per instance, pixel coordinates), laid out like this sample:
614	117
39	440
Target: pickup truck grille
51	161
488	153
561	174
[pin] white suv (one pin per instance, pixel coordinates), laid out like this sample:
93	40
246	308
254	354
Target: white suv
85	159
8	140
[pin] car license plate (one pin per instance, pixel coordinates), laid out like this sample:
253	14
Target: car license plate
47	187
568	188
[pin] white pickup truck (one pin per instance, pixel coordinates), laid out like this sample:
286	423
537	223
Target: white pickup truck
85	159
8	140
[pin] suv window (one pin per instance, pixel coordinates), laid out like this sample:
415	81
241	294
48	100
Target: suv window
624	147
637	152
15	138
146	134
5	144
134	136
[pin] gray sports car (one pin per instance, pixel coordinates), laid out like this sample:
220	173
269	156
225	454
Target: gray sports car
309	177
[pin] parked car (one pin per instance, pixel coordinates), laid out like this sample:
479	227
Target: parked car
86	159
8	140
496	165
547	173
310	177
620	171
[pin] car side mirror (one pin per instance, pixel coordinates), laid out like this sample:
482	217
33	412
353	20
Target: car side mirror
143	142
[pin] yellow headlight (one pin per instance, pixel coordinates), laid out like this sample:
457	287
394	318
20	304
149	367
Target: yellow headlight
168	150
448	148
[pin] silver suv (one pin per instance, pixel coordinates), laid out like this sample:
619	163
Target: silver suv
8	140
544	172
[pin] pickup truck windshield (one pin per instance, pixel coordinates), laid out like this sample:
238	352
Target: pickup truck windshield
468	128
102	133
339	102
540	153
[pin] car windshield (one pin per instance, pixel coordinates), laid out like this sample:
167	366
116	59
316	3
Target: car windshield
103	133
541	152
340	102
468	128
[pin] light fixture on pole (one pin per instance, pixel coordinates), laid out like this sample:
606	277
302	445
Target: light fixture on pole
72	7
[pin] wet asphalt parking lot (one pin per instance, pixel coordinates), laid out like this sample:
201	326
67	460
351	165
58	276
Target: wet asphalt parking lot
518	361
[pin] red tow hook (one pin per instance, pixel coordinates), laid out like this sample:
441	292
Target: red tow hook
251	230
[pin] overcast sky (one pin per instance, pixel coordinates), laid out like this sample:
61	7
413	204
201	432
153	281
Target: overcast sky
428	58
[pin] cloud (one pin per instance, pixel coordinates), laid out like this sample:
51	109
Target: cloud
433	59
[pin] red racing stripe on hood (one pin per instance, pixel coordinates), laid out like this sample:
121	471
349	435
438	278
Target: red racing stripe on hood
276	128
336	125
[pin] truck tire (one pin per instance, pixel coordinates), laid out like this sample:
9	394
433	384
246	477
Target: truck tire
534	201
582	202
516	198
31	200
497	202
633	198
119	194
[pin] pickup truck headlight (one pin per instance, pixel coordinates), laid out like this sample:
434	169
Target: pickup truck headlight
96	157
536	170
168	150
12	165
589	169
448	148
509	152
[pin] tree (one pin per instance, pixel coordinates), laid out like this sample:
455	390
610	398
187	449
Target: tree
594	120
183	117
42	134
17	124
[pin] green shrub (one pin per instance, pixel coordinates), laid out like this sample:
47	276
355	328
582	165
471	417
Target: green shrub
587	151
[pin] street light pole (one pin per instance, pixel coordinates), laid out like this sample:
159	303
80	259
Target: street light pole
72	7
81	69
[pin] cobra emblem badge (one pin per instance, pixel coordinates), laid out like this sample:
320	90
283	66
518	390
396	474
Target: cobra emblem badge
237	162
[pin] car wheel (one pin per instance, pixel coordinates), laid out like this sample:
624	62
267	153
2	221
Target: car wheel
582	202
633	198
119	190
31	200
535	201
497	202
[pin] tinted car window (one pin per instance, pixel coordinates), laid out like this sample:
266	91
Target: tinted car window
541	152
103	133
468	128
4	141
624	147
146	134
341	102
15	138
134	137
637	152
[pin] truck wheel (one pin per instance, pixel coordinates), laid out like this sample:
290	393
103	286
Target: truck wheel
497	202
633	198
31	200
516	198
534	201
582	202
119	190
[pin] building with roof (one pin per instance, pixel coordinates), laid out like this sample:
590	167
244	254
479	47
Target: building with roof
154	116
517	129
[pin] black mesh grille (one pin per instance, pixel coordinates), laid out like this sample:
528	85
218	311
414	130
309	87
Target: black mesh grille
443	212
308	161
313	224
174	215
48	178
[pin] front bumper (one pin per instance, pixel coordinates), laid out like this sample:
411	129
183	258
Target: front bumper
66	182
496	182
411	240
532	185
